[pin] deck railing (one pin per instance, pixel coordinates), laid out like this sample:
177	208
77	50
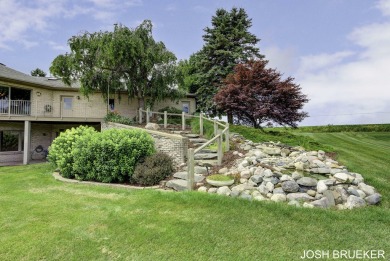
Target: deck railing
218	136
49	109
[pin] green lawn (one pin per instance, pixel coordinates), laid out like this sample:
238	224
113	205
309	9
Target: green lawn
44	219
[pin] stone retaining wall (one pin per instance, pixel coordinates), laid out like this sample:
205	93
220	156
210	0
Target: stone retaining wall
175	146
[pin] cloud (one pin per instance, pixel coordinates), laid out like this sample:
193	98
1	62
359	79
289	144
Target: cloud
280	59
353	89
21	20
58	47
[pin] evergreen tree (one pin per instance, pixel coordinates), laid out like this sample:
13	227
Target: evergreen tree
227	42
38	72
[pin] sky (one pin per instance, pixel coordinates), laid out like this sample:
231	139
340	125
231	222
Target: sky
338	51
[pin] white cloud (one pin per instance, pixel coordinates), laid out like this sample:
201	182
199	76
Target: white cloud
280	59
317	62
384	6
21	20
58	47
354	89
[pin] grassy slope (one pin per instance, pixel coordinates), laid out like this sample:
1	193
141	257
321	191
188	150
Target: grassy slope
42	219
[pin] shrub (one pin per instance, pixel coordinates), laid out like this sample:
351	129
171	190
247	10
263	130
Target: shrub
111	156
60	151
116	117
155	168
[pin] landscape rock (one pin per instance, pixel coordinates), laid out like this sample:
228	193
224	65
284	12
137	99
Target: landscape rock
342	177
299	197
321	186
367	189
152	126
307	182
177	184
202	189
278	197
290	186
224	190
355	202
246	174
212	190
257	179
321	203
373	199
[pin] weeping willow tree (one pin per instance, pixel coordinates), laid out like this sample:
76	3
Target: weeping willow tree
122	60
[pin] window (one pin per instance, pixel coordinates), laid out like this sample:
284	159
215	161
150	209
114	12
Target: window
67	103
186	107
9	140
111	103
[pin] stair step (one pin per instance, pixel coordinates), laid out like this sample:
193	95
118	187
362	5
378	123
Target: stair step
184	176
210	162
177	184
205	156
191	135
198	140
181	132
207	151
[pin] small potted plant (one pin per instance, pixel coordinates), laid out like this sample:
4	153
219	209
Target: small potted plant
219	180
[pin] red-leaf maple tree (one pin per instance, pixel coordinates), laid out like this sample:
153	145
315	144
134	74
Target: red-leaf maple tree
255	94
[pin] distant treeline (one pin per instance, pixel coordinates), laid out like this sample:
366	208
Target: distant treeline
346	128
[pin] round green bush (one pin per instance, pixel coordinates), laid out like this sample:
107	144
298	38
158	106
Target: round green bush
60	151
111	155
153	169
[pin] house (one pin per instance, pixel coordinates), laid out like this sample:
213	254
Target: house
35	110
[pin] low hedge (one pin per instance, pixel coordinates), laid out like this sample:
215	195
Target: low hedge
60	151
111	155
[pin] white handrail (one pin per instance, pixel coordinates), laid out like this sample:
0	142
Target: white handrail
191	152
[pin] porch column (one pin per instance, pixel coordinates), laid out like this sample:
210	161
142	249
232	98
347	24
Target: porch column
27	142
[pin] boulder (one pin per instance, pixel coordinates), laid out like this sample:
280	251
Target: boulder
290	186
373	199
307	182
152	126
270	186
321	186
271	151
368	190
355	202
278	197
257	179
246	174
342	177
177	184
321	203
224	191
299	197
202	189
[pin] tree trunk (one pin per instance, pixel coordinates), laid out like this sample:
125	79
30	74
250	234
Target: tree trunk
230	117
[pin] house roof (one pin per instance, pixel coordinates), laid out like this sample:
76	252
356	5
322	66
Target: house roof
12	75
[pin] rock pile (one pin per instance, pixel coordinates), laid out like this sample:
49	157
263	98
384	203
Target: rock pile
276	172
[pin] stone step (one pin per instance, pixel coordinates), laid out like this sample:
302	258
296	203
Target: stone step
181	132
177	184
205	156
183	175
207	151
191	135
198	140
211	162
198	170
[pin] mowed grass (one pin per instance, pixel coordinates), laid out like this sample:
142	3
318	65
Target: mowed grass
44	219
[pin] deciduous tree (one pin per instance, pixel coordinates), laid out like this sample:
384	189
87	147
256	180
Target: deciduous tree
125	59
254	94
